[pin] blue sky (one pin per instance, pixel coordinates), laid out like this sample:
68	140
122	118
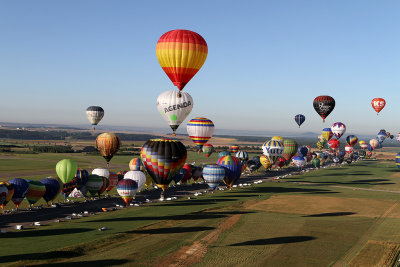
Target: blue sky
267	61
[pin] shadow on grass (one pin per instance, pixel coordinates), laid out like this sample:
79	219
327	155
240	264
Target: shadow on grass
97	263
196	216
354	182
275	241
238	195
41	256
263	190
44	232
329	214
194	202
171	230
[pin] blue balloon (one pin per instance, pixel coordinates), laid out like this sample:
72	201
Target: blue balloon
179	176
20	190
52	188
223	154
302	151
299	118
370	148
342	153
213	174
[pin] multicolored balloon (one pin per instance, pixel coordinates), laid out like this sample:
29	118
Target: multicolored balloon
351	140
233	169
213	174
35	192
374	143
181	54
200	130
324	105
127	189
66	170
224	153
136	164
67	188
327	133
338	129
349	149
94	184
398	160
363	144
163	158
381	137
174	107
278	138
299	161
188	172
272	150
290	149
208	149
234	148
3	193
10	193
265	162
378	104
108	144
299	118
113	181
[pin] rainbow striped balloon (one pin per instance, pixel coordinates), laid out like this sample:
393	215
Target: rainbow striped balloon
233	169
181	54
398	160
200	130
36	191
136	165
235	148
127	189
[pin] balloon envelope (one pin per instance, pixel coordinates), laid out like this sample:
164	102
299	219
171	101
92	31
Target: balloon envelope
52	188
66	170
272	150
378	104
108	144
138	176
208	149
35	192
200	130
324	105
213	174
181	54
289	149
94	114
21	187
299	118
136	164
338	129
233	169
127	189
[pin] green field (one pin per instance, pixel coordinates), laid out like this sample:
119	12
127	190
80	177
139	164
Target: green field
342	215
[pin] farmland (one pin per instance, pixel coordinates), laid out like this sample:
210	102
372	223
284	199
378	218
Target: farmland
342	215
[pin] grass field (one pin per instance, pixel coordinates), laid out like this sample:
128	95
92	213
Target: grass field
339	216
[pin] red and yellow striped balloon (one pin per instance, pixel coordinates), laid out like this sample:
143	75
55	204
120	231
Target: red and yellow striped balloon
181	54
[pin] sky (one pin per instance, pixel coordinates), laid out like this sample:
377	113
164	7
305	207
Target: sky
267	61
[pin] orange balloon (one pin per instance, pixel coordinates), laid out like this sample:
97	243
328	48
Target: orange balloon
181	54
378	104
108	144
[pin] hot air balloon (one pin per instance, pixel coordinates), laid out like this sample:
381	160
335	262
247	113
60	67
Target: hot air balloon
208	149
234	148
272	150
200	130
52	189
302	151
299	161
363	144
265	162
20	190
10	193
127	189
138	176
103	188
35	192
334	143
299	118
3	193
66	170
103	172
381	137
290	149
226	153
94	184
321	144
281	162
351	140
324	105
378	104
213	174
94	114
349	149
174	107
136	164
113	181
278	138
179	176
243	156
82	176
163	158
338	129
398	160
233	169
181	53
316	162
374	143
67	188
108	144
188	172
327	133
